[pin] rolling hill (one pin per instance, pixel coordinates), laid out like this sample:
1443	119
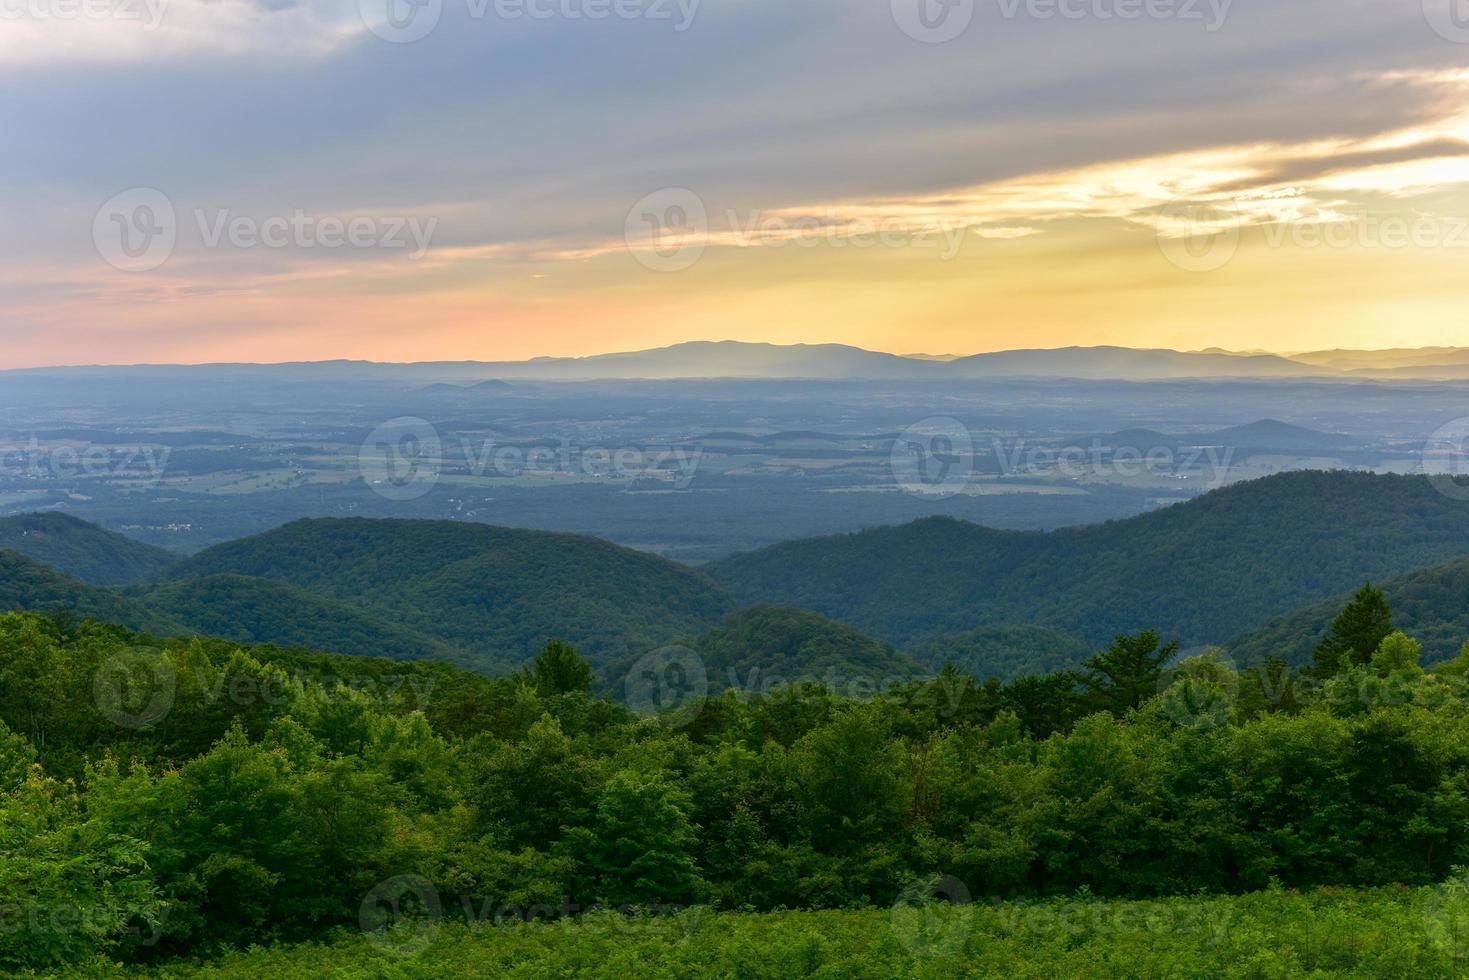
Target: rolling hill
1202	571
1004	652
1430	604
82	550
495	594
27	584
768	645
1272	434
253	610
1127	362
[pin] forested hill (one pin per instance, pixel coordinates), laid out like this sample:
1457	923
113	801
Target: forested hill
82	550
1204	571
255	610
1431	603
27	584
495	594
1003	652
762	647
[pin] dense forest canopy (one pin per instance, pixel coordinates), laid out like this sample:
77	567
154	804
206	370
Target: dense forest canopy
1205	571
194	795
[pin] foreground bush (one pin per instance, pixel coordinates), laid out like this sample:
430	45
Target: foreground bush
1395	932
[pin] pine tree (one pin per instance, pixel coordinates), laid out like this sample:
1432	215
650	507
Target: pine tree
559	669
1127	673
1356	633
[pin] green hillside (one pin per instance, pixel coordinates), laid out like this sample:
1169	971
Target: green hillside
253	610
26	584
1202	571
762	647
1005	652
496	593
82	550
1432	604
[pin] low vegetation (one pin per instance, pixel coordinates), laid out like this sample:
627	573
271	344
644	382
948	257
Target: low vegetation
169	802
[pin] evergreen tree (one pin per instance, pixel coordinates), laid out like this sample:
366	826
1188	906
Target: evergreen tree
559	669
1127	673
1356	633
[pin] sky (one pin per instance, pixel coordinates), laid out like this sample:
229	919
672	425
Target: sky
270	180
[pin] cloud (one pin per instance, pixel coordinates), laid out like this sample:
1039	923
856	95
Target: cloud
58	33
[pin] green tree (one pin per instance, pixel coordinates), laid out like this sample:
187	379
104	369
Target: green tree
641	842
1356	633
559	669
1398	654
1127	673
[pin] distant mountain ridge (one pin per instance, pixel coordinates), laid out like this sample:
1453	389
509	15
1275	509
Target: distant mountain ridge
85	551
496	595
740	359
1431	604
1203	571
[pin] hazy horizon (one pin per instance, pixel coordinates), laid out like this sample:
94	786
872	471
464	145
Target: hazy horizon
792	346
